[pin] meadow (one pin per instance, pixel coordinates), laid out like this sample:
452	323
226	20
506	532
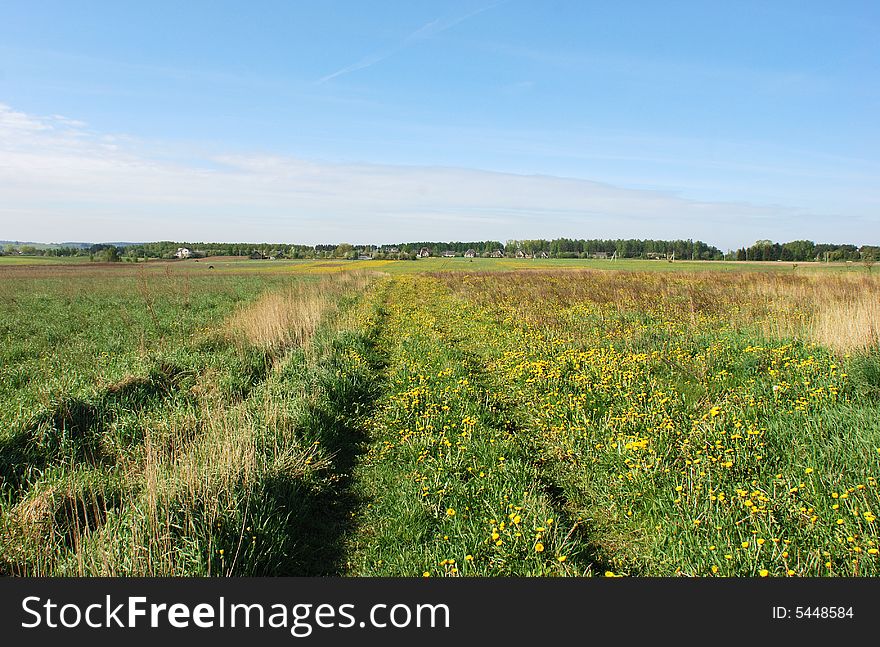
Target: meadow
441	417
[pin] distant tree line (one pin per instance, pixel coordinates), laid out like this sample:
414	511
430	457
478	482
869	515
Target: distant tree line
482	248
574	248
804	251
624	248
762	250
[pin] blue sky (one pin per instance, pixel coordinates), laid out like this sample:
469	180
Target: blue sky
328	121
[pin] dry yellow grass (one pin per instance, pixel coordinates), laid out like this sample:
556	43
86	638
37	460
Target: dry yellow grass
849	325
280	319
841	312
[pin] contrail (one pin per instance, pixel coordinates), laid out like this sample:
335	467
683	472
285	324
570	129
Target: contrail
424	32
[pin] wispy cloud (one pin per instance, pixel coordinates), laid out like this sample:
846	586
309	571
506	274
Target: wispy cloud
60	181
426	31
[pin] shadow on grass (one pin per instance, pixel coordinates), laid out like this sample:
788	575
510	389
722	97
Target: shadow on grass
71	432
74	430
312	520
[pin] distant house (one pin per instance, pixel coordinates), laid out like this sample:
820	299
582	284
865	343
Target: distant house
257	255
448	254
655	256
424	252
364	257
393	250
520	253
470	253
542	255
600	255
183	252
497	254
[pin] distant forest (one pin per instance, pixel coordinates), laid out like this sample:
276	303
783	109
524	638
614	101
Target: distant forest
762	250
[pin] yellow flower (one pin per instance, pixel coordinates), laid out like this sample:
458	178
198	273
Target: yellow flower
745	544
763	572
539	547
809	470
562	558
450	512
468	558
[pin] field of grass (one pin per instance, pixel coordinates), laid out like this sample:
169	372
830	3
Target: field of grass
238	265
41	260
441	417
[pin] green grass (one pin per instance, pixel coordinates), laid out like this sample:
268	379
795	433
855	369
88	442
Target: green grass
443	416
450	483
116	391
42	260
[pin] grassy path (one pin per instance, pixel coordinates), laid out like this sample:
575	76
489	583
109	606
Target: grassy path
450	479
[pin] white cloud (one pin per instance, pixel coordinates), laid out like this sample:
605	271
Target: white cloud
59	181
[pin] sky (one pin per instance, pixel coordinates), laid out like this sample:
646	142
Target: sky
323	121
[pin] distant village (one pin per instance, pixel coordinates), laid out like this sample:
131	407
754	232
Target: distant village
390	252
605	249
